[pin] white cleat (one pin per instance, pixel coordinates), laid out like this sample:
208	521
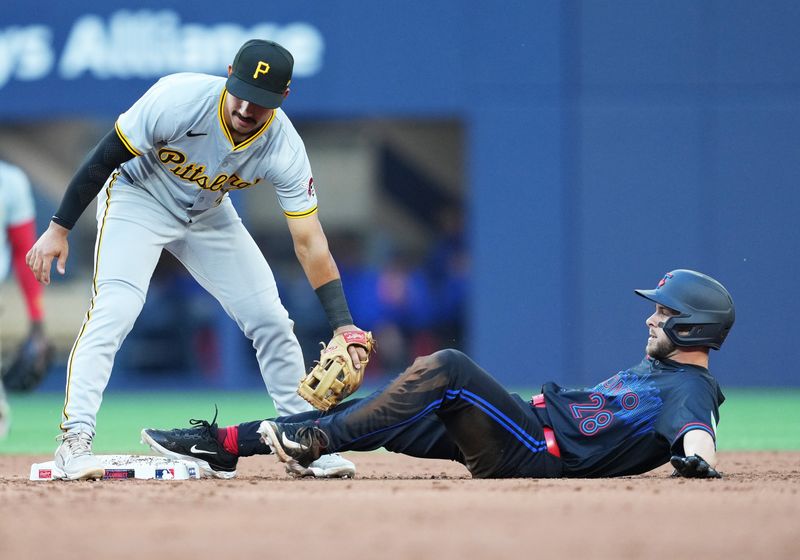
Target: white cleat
330	466
300	446
74	456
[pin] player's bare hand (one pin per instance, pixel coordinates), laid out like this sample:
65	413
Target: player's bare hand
51	245
357	353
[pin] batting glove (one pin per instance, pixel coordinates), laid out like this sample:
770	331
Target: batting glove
693	467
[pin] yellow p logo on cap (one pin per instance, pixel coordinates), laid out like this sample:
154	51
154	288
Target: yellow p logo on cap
262	68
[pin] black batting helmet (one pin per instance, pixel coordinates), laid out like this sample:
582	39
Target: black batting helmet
705	306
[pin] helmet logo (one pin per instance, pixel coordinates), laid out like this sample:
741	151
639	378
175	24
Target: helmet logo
663	281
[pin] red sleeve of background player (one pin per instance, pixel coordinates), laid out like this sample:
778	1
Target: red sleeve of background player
22	237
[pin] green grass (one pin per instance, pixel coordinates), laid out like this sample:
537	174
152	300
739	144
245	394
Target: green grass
760	420
751	419
35	417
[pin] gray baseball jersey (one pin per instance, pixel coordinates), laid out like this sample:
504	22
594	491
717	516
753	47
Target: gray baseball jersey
189	161
16	208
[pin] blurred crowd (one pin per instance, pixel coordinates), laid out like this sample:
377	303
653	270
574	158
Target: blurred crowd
413	301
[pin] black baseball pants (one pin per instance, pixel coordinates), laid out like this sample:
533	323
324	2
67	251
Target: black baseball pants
444	407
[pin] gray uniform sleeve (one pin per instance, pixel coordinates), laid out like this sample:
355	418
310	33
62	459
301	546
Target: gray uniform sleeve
295	188
289	171
150	121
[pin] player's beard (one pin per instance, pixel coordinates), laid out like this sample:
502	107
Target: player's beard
660	348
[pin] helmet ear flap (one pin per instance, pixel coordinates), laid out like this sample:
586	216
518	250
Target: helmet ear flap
707	335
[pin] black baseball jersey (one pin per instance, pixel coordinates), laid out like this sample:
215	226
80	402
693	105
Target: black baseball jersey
632	422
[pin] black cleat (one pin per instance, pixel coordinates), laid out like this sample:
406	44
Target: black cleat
198	444
294	444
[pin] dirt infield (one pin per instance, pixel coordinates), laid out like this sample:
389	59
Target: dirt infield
402	508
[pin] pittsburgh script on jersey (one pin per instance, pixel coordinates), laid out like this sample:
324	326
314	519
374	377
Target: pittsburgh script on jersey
196	173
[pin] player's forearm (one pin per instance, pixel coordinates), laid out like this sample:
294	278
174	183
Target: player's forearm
319	269
109	154
699	442
311	248
332	298
324	278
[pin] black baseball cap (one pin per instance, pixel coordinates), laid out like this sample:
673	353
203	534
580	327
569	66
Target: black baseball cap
261	73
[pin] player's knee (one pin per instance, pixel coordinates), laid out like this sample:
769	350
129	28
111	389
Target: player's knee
119	299
457	366
421	366
450	358
448	362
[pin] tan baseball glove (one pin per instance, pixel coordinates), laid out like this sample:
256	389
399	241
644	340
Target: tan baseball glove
334	377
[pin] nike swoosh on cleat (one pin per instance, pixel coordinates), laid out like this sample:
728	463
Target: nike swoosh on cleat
191	134
194	449
289	444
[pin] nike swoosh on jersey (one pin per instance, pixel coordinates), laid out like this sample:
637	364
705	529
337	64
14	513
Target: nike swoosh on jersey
190	133
194	449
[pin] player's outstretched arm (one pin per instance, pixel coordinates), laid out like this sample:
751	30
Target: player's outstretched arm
699	456
311	248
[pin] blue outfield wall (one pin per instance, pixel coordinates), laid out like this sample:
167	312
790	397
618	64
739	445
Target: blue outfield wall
608	142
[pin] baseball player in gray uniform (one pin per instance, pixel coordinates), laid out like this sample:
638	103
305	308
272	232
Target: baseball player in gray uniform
17	234
163	174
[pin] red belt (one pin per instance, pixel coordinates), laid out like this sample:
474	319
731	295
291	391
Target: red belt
549	435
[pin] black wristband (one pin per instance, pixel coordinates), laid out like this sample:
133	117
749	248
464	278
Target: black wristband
331	295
